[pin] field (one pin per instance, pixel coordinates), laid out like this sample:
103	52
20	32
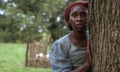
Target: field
12	59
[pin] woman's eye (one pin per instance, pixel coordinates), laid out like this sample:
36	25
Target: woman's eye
74	15
83	14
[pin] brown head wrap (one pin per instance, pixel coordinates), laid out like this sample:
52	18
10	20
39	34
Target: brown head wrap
71	5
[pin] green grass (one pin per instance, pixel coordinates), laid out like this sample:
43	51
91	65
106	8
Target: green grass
12	59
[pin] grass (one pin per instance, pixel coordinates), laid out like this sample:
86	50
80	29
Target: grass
12	59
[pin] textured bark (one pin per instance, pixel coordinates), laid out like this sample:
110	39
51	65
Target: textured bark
104	25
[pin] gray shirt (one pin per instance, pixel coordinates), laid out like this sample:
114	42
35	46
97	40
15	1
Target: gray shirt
65	56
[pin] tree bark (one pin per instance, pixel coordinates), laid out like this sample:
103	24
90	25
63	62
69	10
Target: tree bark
104	26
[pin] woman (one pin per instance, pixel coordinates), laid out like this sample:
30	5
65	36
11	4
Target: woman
71	53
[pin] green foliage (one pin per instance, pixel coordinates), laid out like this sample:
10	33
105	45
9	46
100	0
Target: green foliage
33	18
12	59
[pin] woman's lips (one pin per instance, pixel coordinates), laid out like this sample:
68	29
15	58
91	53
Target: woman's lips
79	25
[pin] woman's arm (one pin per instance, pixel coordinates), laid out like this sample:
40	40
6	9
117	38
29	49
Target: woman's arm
58	59
83	68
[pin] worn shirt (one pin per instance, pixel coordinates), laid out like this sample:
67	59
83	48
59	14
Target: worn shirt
65	56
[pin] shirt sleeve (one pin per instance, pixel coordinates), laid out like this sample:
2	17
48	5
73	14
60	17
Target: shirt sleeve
59	58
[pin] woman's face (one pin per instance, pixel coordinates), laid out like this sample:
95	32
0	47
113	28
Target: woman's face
78	18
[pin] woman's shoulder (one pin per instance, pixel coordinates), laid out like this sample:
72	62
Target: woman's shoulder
63	40
61	45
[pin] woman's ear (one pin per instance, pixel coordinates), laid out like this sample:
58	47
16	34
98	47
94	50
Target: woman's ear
69	22
69	25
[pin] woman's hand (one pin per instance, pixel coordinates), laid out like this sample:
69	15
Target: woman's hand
89	55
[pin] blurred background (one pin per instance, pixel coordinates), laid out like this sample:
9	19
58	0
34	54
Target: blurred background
27	29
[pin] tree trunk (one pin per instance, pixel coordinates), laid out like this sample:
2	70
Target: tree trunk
104	26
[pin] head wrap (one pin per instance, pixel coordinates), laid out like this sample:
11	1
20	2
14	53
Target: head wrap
71	5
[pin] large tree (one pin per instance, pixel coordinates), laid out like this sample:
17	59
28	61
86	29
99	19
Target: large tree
104	25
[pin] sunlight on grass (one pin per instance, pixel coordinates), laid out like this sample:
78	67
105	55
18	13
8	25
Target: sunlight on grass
12	59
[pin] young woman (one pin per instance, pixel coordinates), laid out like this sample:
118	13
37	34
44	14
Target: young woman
71	53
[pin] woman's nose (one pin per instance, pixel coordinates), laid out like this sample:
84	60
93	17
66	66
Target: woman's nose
78	17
